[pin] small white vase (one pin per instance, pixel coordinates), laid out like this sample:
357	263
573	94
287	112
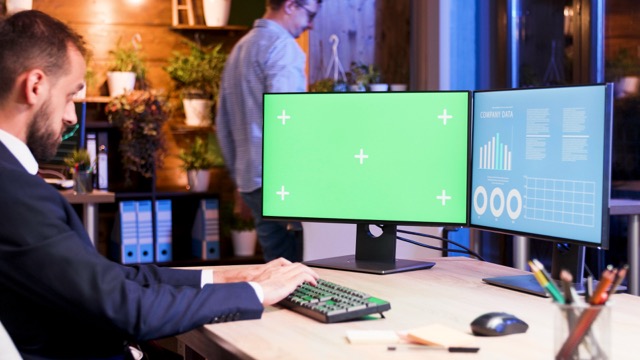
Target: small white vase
244	242
197	111
120	82
626	86
216	12
398	87
379	87
198	180
13	6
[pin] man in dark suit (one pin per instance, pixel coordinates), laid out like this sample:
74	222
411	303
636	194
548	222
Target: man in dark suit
59	298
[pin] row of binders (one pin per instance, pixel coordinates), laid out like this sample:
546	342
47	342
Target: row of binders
133	235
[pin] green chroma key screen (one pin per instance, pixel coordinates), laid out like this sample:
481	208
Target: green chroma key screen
397	157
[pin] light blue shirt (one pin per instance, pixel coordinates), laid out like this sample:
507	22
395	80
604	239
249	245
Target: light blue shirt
267	59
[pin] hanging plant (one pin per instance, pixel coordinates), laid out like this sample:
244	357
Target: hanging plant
140	116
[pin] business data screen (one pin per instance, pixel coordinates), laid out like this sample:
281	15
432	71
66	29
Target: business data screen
398	157
541	162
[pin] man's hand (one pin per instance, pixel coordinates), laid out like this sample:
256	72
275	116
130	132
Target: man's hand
248	273
278	282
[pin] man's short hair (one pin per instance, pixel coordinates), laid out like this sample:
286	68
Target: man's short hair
32	39
277	4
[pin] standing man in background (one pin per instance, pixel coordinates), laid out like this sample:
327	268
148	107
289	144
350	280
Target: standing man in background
266	60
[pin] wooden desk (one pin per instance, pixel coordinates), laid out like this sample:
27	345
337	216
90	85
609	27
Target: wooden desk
89	210
451	293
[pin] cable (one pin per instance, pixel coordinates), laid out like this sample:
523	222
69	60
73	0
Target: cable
431	246
468	251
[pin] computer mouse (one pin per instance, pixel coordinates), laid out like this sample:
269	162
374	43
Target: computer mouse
497	324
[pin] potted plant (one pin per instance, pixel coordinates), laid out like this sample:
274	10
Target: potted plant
363	77
328	85
624	69
241	230
196	75
79	164
197	160
126	67
139	115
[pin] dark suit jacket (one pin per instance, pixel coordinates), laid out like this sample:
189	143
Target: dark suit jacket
60	298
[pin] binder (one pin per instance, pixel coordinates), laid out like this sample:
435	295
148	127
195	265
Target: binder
125	235
92	147
144	209
163	231
205	234
103	160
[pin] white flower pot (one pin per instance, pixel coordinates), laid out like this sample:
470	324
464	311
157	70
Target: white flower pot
244	242
197	111
398	87
626	86
216	12
13	6
120	82
198	180
379	87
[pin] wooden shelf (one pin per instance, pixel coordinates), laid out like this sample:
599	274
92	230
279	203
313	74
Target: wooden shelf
227	28
94	99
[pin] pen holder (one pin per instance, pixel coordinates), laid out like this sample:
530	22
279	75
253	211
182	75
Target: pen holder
582	332
82	182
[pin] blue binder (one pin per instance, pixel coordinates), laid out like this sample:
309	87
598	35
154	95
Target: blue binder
163	231
145	231
205	238
125	234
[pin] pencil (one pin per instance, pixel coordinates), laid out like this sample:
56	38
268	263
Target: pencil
547	276
551	290
599	296
620	275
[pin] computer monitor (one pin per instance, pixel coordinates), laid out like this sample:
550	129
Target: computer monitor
541	169
374	158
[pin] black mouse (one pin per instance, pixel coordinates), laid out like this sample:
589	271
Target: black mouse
497	324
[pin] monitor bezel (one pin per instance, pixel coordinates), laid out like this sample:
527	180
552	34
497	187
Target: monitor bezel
606	172
469	139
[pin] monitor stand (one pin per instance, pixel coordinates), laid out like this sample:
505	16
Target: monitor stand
571	259
374	254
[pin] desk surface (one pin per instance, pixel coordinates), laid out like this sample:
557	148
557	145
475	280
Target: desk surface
451	293
94	197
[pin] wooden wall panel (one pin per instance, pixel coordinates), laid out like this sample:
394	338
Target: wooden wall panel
370	31
353	21
622	27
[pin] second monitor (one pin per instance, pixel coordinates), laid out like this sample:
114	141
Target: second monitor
368	158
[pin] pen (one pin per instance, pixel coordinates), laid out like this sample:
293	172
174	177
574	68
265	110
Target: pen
620	275
551	290
599	295
452	349
546	274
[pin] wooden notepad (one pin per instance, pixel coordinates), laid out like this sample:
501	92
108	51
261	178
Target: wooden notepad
440	335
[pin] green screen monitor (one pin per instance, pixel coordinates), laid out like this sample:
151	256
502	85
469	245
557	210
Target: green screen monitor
384	159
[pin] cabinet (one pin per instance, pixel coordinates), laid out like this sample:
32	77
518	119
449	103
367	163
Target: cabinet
184	204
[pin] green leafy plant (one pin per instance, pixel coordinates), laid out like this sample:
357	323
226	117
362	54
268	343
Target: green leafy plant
201	155
78	160
127	58
231	222
362	74
624	63
197	73
139	115
328	85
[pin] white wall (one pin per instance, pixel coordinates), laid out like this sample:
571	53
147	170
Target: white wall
322	240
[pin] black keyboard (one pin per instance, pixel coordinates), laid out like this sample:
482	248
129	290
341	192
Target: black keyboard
330	303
